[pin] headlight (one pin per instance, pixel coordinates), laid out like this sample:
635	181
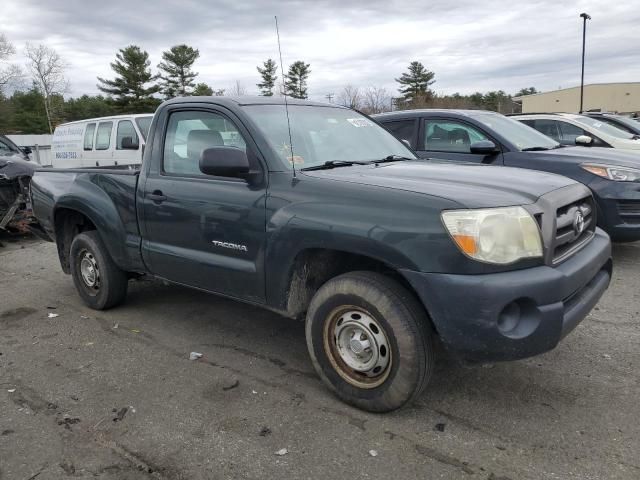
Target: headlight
494	235
620	174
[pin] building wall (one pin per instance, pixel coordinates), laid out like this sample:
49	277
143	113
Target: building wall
612	97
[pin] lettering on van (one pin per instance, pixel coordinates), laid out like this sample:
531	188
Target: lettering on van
229	245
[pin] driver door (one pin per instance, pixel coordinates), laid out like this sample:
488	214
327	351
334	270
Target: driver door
200	230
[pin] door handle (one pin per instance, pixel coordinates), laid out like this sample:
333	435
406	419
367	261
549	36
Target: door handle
156	196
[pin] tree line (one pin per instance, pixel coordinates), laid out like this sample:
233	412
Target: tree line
135	88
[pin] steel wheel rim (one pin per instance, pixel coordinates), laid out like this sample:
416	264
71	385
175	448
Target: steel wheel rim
89	271
358	347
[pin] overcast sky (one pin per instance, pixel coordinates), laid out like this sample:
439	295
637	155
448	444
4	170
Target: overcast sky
470	45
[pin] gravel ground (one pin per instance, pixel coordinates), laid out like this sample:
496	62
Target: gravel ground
113	394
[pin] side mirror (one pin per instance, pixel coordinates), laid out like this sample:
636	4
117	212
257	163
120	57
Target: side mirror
483	147
128	144
224	162
584	140
27	150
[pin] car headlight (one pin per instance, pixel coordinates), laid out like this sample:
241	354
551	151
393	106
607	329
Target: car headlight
620	174
494	235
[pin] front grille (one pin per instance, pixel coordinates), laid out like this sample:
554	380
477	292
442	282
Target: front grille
629	211
568	238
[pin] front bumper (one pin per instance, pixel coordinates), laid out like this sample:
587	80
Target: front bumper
618	208
517	314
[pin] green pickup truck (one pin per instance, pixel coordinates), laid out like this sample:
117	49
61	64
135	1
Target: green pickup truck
337	222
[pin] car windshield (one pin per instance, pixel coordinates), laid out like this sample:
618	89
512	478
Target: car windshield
7	147
522	136
143	124
604	127
323	134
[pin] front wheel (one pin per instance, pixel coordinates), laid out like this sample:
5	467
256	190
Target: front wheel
99	281
370	341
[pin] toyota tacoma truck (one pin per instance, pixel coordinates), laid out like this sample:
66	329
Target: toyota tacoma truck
315	211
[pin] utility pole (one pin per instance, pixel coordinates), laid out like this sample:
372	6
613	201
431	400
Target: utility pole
584	17
329	96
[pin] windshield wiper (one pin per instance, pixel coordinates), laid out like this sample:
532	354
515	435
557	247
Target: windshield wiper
392	158
535	149
333	164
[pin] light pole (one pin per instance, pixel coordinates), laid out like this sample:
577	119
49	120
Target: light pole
585	17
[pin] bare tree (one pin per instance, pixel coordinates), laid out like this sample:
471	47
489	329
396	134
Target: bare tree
47	70
8	72
376	100
238	90
351	97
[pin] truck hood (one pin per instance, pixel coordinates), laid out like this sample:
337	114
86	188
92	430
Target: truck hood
608	156
470	185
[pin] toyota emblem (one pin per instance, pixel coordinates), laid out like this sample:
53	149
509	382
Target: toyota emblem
578	223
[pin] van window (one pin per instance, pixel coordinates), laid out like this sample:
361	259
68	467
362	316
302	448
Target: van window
103	138
126	129
191	132
144	123
88	136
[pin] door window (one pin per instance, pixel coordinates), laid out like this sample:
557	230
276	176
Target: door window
88	136
570	132
103	137
191	132
450	136
402	130
126	129
548	127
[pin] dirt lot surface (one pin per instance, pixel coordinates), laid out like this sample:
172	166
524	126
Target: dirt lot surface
113	395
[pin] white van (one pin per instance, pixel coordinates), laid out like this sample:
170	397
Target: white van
115	142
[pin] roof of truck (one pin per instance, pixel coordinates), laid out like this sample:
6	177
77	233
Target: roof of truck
250	100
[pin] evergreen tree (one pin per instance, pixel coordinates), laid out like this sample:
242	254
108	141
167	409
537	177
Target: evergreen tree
203	90
177	76
526	91
296	79
268	74
129	89
414	84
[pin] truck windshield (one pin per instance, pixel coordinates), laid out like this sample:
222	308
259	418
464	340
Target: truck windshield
323	134
520	135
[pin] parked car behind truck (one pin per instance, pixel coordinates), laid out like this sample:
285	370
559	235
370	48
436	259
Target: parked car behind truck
15	174
490	138
107	142
372	246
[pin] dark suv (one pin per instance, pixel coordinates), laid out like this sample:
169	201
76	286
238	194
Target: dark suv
488	137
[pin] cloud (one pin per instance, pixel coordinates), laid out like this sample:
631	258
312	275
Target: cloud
471	46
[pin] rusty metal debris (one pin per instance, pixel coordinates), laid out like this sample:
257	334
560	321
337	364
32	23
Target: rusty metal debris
15	176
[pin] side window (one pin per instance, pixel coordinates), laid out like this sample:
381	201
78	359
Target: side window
191	132
402	130
88	136
126	136
548	128
570	132
450	136
103	137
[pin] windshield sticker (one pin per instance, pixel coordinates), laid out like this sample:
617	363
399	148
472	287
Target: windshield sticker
359	122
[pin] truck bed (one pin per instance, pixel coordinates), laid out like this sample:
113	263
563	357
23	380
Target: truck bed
108	195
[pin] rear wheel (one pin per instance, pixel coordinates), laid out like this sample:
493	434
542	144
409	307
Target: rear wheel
370	341
99	281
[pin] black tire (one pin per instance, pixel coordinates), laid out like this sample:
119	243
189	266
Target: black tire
405	326
111	286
